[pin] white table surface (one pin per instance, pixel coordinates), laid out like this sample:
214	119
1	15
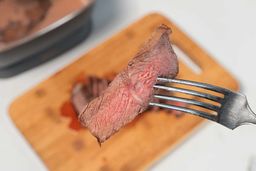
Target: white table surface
227	30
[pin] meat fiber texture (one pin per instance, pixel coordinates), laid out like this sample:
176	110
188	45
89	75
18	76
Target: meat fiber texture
131	90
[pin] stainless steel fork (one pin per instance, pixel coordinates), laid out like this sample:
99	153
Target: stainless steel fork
232	109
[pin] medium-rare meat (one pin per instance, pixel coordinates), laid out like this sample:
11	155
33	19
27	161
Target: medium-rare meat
82	94
131	90
87	88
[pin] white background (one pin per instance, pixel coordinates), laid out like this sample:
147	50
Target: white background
227	30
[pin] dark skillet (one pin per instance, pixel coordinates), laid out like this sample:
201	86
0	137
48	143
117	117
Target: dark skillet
47	43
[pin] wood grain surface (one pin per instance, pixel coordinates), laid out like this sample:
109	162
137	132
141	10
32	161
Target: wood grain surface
137	145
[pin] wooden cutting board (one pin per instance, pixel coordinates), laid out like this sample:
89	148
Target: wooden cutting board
139	144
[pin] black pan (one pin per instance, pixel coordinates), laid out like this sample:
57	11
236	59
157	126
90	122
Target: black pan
47	43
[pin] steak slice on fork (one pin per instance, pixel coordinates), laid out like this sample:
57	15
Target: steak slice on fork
131	90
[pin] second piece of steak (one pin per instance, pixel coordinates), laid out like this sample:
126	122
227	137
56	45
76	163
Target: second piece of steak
86	91
131	90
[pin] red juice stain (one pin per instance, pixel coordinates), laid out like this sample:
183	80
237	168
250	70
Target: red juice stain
67	110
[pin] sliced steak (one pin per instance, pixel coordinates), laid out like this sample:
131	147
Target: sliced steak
131	90
85	91
81	95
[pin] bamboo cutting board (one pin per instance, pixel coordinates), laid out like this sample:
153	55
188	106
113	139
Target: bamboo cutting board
139	144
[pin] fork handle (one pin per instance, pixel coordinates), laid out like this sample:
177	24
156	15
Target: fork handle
247	116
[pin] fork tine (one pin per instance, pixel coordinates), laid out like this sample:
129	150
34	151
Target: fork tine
190	92
186	110
196	84
188	101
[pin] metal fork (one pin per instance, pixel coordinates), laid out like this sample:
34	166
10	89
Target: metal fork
233	109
